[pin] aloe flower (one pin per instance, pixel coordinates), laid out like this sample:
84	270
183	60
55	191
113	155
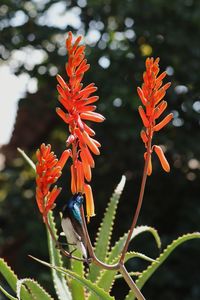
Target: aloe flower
151	95
48	170
78	107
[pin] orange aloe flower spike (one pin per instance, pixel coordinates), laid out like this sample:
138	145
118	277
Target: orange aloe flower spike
151	93
76	100
48	170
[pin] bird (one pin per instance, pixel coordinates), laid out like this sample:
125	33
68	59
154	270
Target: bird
72	224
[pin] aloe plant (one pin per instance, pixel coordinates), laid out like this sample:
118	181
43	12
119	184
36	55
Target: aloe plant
107	262
95	283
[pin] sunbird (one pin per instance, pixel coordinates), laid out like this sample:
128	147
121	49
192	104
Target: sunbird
72	224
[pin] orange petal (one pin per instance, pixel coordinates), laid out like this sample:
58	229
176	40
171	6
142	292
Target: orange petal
166	86
88	156
77	41
161	77
144	136
82	64
162	158
80	136
64	157
45	150
63	115
69	40
92	99
69	70
39	199
164	122
143	116
83	108
86	167
89	130
61	82
159	95
92	116
149	168
80	50
80	123
80	177
61	91
96	142
89	141
160	109
141	95
73	182
51	198
78	61
89	201
65	102
83	70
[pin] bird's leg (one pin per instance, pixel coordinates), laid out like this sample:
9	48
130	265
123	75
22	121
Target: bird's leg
71	252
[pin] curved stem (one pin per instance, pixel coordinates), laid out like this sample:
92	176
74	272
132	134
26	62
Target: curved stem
131	283
140	199
117	266
96	261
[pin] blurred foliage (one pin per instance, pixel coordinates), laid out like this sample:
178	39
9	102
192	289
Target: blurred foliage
119	34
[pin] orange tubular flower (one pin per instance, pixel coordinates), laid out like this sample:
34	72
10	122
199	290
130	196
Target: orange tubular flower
151	95
78	104
48	170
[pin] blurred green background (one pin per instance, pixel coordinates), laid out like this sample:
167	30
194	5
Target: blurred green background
120	35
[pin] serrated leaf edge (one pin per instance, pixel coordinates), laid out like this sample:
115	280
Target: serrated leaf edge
14	275
137	231
73	275
20	283
117	193
172	245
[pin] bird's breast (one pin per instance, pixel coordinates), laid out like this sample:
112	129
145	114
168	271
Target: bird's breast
69	231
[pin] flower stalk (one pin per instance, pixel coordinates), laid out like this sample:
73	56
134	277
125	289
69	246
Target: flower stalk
139	203
151	94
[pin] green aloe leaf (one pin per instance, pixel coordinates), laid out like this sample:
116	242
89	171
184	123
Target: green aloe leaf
107	277
102	243
92	287
35	289
60	285
7	294
136	274
12	279
117	248
146	274
77	289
